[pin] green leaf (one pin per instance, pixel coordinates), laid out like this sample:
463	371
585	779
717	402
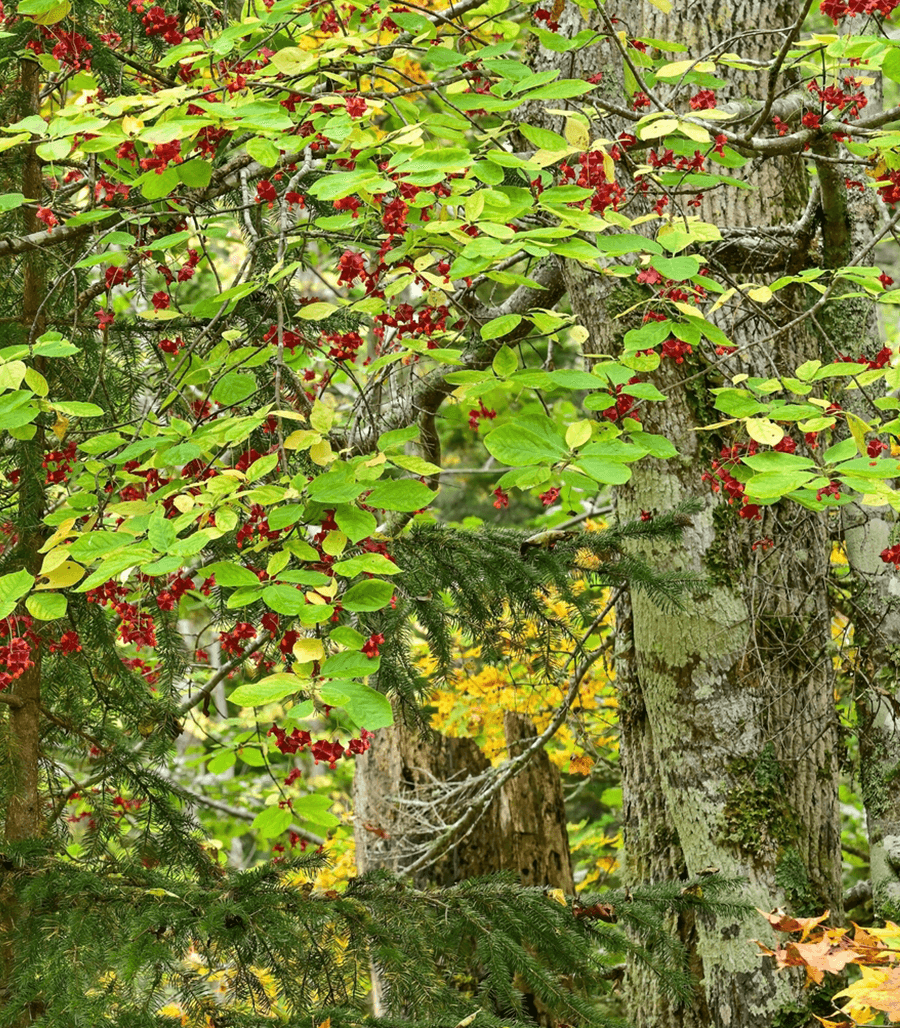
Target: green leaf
271	822
643	390
195	174
403	495
267	690
626	242
12	588
371	595
372	563
234	388
46	606
501	326
772	484
530	440
544	138
316	311
76	409
676	268
155	187
223	760
115	565
369	708
600	469
505	362
738	403
774	461
314	808
231	574
351	663
10	201
264	151
356	524
283	599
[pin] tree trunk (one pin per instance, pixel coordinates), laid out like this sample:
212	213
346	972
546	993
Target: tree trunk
522	830
730	744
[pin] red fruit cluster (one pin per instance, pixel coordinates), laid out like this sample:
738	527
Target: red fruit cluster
623	405
720	477
62	464
328	752
135	626
476	415
836	9
881	360
892	555
257	524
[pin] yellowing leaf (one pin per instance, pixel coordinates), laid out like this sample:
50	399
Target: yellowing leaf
131	125
334	543
60	427
55	14
307	649
576	133
66	574
302	439
858	429
578	434
321	453
764	431
316	311
663	5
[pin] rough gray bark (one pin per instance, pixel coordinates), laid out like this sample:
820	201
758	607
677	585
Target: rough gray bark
730	744
876	619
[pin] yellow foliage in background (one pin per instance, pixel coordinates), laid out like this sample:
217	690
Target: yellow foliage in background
474	699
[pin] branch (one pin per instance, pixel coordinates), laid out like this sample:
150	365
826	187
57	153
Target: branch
499	776
223	672
426	397
857	895
776	68
245	815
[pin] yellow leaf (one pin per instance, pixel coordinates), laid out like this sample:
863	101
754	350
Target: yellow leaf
858	429
321	417
576	133
657	128
184	503
678	68
557	895
60	427
307	649
66	574
131	125
54	558
761	294
663	5
764	431
55	14
695	132
62	531
578	434
321	453
302	439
